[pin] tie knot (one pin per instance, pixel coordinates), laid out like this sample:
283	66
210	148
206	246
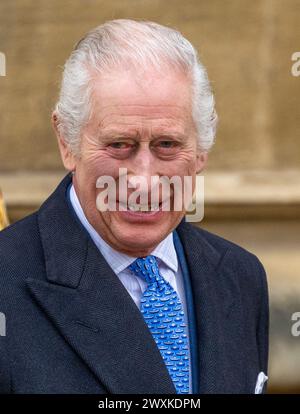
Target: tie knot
146	268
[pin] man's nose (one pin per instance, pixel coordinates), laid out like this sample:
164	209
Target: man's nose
143	165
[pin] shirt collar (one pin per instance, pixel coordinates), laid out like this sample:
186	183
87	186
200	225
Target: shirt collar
165	250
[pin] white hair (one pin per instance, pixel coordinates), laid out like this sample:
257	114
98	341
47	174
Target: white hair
117	44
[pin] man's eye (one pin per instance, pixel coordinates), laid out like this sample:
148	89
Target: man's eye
166	144
120	145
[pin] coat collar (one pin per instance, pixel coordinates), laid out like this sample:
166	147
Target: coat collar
81	291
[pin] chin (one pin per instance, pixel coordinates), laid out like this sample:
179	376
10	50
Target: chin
141	239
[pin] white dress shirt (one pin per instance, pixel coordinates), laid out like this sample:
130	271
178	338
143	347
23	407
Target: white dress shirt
119	262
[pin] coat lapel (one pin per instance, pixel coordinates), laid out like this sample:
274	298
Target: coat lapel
218	312
90	307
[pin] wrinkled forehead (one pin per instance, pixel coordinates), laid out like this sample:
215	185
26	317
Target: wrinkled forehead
144	89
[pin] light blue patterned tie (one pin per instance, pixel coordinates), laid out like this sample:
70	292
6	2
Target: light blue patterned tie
163	313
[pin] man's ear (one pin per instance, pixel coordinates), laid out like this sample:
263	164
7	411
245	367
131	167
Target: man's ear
67	156
201	161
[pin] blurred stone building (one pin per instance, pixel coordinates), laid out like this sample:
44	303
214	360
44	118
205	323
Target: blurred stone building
252	184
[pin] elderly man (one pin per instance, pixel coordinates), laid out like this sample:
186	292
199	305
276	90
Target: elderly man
130	300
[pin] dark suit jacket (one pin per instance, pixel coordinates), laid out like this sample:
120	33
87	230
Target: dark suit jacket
71	326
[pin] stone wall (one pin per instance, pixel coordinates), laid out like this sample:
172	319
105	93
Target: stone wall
246	46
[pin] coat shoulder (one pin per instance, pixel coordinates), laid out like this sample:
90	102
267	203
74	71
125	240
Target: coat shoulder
224	254
221	245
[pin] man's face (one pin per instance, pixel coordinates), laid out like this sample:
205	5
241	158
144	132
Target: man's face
144	124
